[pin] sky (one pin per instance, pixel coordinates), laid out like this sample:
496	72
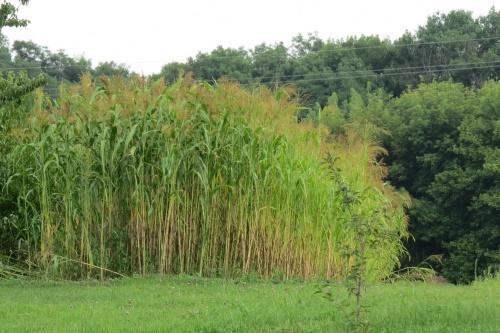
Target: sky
147	34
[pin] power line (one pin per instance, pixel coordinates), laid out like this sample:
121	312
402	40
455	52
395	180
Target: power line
379	70
495	64
390	74
413	44
286	54
393	44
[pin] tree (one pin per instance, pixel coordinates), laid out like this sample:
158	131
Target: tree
474	184
110	68
171	72
444	149
8	15
221	62
446	47
56	66
271	64
5	57
13	87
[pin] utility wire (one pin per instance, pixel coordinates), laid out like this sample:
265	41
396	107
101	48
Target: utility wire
393	44
376	70
378	75
342	49
287	54
381	71
390	74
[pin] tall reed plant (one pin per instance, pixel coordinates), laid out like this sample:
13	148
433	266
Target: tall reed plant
131	177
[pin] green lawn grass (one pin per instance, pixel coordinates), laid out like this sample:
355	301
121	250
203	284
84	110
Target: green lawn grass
186	304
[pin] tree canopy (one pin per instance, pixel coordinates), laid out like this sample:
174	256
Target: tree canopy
453	46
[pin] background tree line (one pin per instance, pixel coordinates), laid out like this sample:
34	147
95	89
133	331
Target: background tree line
431	93
436	51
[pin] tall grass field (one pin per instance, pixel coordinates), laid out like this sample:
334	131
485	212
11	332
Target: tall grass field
119	177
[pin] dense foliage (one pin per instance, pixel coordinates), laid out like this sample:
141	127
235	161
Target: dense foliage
444	146
449	46
12	86
188	178
57	67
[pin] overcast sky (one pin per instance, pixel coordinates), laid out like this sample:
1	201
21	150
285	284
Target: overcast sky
149	33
